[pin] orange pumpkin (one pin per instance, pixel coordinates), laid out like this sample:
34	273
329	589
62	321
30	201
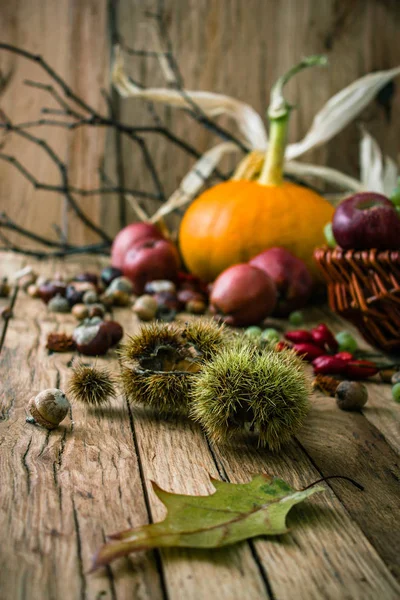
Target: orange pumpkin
235	220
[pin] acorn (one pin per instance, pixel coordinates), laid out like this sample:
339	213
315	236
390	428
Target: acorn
92	338
109	274
80	311
91	385
4	288
157	369
90	297
351	395
246	390
145	307
115	330
48	408
58	304
121	284
120	298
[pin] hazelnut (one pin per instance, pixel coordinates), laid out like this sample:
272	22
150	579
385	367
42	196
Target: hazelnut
96	310
121	298
80	311
48	408
196	307
92	338
115	330
4	288
109	274
59	304
33	290
145	307
351	395
90	297
122	284
160	285
48	290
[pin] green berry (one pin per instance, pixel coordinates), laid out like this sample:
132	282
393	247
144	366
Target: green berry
296	318
329	237
396	392
253	332
395	195
270	335
346	342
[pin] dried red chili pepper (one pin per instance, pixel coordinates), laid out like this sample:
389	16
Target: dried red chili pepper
308	351
322	335
329	365
299	336
347	356
361	369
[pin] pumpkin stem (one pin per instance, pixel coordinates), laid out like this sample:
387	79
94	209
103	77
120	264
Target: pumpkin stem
278	114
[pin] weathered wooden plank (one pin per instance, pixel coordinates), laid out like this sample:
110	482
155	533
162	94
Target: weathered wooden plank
65	487
176	455
325	555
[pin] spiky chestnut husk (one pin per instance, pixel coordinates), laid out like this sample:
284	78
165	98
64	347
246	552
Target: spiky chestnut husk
206	336
91	385
158	368
244	389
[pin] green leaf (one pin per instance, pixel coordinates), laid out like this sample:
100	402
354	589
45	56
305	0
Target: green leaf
235	512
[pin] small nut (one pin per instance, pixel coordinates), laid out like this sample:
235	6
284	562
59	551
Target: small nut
90	297
4	288
395	378
49	408
80	311
122	284
109	274
121	298
48	290
145	307
160	285
59	304
351	395
92	339
96	310
115	330
196	307
33	290
107	300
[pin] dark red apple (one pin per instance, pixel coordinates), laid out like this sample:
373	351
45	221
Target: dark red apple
366	220
243	295
293	280
130	236
151	260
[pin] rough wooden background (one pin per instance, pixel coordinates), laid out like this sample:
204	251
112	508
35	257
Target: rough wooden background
237	47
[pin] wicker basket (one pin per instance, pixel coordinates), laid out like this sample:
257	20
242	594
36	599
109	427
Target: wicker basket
364	287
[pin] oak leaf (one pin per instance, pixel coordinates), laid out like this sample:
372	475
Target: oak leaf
233	513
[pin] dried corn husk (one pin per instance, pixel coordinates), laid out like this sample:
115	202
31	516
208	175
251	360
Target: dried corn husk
378	173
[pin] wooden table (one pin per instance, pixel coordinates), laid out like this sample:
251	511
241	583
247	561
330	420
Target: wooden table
63	491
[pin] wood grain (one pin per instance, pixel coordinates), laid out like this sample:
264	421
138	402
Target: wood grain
237	48
63	491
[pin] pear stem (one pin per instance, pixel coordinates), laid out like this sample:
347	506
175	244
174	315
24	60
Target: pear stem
278	114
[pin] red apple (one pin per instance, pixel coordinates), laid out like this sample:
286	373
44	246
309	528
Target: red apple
243	295
293	280
151	260
366	220
130	236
